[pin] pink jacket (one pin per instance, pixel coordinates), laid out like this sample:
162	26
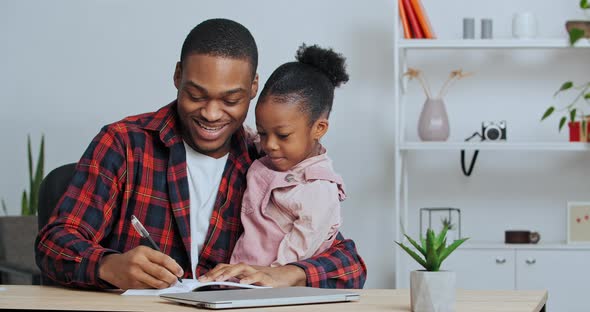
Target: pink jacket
289	216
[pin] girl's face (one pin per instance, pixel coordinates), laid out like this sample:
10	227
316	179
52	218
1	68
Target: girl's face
285	133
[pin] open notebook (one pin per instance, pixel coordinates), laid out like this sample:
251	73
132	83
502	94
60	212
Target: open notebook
187	285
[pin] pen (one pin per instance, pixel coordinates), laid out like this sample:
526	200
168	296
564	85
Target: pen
144	233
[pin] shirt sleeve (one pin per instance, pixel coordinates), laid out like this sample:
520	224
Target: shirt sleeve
317	217
67	248
340	266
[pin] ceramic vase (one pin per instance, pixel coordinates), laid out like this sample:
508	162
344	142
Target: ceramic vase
432	291
433	124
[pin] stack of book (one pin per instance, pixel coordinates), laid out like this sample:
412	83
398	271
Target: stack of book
414	20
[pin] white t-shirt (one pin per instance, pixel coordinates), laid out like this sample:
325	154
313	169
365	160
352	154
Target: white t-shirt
204	176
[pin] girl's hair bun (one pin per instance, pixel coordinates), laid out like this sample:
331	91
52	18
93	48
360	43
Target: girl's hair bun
332	64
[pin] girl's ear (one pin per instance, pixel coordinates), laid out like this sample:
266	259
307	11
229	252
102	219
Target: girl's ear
319	128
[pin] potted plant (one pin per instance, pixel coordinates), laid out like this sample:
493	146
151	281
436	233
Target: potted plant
432	290
578	29
18	233
578	121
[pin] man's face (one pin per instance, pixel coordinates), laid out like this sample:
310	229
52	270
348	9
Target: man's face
214	94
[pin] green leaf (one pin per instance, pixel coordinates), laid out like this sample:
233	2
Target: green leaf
413	255
562	122
30	158
575	35
573	115
587	96
441	236
36	183
24	204
548	113
442	246
4	208
416	245
584	4
445	253
431	256
565	86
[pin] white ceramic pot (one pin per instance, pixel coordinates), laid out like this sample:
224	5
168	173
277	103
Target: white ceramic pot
432	291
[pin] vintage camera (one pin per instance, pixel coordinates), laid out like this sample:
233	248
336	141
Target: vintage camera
493	131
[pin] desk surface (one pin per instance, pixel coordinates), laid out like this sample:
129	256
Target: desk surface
395	300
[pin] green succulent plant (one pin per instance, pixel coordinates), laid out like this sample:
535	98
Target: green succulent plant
30	199
572	110
433	249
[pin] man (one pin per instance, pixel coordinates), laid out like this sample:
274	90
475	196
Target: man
150	165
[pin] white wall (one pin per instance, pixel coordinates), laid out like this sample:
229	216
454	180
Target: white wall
68	67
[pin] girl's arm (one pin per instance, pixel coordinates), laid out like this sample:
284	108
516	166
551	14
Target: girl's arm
339	266
317	211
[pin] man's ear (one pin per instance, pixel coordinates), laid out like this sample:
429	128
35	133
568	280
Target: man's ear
254	89
177	75
319	128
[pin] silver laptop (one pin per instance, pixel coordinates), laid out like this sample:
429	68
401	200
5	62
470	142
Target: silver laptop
243	298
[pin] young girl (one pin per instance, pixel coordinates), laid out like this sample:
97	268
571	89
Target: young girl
291	207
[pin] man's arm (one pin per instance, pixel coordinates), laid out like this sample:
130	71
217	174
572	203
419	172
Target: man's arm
338	267
68	249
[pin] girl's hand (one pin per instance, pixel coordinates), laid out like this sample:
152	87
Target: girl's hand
283	276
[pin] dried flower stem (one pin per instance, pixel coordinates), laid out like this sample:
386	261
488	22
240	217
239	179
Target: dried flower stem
417	74
455	75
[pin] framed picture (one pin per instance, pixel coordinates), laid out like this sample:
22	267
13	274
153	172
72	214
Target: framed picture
578	222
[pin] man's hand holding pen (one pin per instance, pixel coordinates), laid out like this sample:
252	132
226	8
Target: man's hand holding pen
140	267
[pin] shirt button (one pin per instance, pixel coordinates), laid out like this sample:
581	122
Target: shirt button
289	178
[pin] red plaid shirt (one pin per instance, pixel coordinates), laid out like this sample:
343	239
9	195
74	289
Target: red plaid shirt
137	166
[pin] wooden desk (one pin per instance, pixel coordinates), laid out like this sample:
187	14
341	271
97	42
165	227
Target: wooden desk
394	300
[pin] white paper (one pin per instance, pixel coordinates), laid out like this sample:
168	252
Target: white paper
187	285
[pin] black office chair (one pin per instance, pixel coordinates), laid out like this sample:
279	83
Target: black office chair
53	186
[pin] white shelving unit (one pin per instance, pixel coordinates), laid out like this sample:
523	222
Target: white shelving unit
495	146
557	43
401	49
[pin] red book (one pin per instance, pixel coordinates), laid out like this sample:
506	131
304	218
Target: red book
422	19
413	20
404	20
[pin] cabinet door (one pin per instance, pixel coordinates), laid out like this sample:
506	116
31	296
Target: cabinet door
476	268
564	273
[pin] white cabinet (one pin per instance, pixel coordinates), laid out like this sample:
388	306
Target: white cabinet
561	270
483	269
475	268
564	273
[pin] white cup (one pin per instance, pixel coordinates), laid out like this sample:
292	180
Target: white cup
524	25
